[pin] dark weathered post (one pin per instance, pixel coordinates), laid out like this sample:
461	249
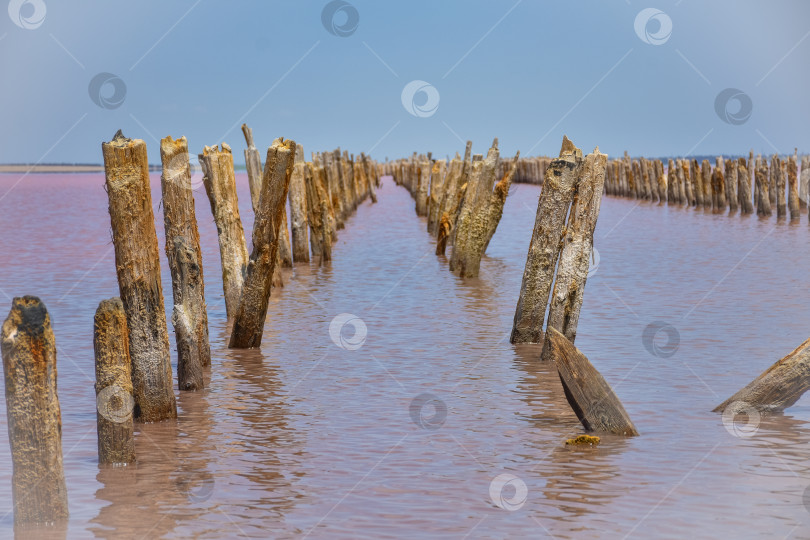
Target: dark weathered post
298	208
575	258
38	487
138	266
114	401
544	249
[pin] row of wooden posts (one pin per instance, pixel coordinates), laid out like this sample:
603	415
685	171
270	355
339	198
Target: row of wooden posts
732	184
130	338
463	205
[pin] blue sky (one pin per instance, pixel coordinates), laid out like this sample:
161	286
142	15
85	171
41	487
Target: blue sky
525	71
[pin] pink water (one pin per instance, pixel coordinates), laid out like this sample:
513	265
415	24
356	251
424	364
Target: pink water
306	439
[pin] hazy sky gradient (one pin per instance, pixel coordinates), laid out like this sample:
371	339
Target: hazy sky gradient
525	71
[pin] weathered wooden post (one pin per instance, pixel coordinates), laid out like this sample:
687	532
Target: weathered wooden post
248	324
744	180
781	178
804	181
764	205
779	386
575	258
773	179
318	212
422	191
470	226
137	264
544	249
253	164
38	490
298	208
793	186
220	185
706	172
190	316
114	400
731	184
437	187
590	396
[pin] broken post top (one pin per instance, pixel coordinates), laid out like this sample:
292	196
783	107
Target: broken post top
248	135
215	149
171	145
569	150
28	315
119	139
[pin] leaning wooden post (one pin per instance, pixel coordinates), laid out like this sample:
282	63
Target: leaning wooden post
190	316
544	249
253	164
575	258
220	185
248	324
138	266
298	208
38	490
793	187
472	220
590	396
778	387
114	401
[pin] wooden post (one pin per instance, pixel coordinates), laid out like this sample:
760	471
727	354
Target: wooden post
190	317
220	185
591	397
672	181
471	226
544	249
773	179
422	190
731	184
779	387
38	490
744	179
437	186
804	181
709	200
317	212
253	164
781	178
248	324
138	267
575	258
449	190
114	400
720	184
298	208
764	206
793	187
